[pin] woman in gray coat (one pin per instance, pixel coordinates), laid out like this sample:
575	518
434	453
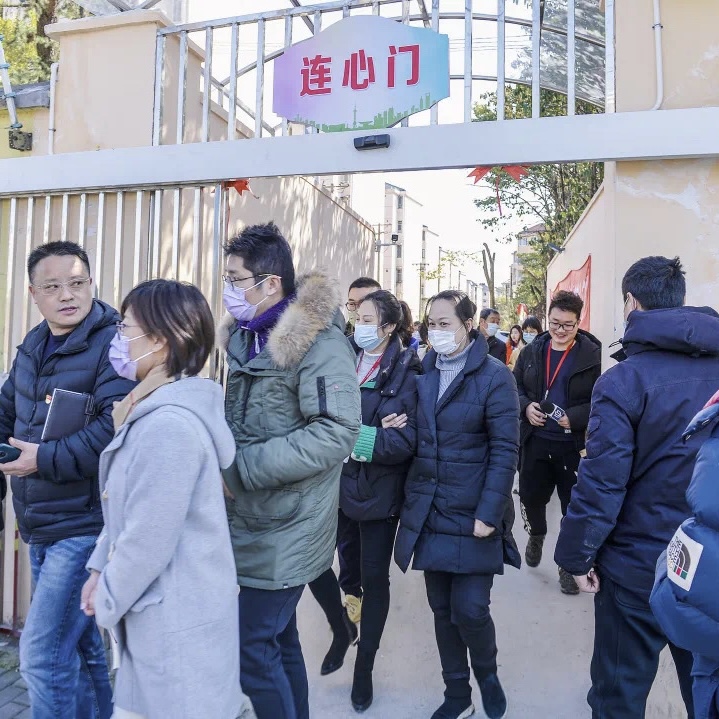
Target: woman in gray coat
163	576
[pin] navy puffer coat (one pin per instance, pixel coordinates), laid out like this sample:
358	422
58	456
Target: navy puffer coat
464	469
375	490
62	499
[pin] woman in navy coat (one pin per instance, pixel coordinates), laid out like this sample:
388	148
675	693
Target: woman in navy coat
457	516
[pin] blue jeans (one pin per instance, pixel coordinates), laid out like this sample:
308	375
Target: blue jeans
272	668
62	656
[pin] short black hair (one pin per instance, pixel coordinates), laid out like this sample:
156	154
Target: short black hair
532	323
265	251
178	313
656	283
486	312
363	283
567	302
464	308
56	249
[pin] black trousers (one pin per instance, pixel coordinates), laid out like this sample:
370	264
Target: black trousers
546	465
377	543
349	553
462	624
627	644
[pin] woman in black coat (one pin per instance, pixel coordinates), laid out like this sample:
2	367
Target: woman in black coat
373	477
458	514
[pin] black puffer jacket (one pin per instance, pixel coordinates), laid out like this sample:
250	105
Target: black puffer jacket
464	469
530	373
375	490
61	500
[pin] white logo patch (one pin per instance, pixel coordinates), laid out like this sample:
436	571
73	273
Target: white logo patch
683	557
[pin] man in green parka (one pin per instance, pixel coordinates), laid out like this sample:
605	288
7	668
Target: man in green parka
293	405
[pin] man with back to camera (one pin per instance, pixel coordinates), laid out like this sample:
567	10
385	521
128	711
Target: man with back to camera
489	320
55	483
293	405
630	495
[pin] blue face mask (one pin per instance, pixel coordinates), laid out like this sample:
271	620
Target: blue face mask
528	337
367	337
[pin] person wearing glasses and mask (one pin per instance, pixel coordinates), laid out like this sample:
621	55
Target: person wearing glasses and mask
293	405
456	520
558	368
358	290
55	482
162	574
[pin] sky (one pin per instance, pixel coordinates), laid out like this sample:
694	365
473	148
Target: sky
447	195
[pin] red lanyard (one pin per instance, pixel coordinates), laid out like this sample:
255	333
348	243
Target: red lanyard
559	366
372	369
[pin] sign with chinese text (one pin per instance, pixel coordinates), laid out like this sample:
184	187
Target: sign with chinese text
362	73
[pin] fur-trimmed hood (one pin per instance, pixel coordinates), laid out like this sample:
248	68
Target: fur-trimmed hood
315	308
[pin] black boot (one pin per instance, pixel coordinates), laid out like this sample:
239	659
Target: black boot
533	554
493	697
362	694
343	636
455	708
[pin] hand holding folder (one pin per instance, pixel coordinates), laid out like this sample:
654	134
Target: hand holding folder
69	413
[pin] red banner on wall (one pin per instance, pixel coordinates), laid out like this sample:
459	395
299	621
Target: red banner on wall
580	282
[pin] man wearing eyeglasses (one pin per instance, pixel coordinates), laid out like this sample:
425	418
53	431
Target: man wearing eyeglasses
358	290
293	405
559	369
54	483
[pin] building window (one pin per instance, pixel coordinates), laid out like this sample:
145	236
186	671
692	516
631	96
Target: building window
399	275
400	202
399	251
399	225
523	241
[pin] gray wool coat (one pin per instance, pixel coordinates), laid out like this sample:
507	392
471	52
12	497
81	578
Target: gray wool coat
168	585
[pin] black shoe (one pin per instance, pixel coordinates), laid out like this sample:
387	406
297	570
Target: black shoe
340	644
362	692
533	553
454	708
567	583
493	697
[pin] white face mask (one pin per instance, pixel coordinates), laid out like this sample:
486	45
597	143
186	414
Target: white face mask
529	337
443	341
367	337
492	329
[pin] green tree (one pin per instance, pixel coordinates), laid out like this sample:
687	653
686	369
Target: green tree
555	195
30	52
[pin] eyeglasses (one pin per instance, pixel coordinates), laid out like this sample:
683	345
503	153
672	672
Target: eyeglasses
231	280
563	326
352	306
121	327
53	288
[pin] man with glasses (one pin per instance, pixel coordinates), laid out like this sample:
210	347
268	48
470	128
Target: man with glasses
55	482
558	370
358	290
293	405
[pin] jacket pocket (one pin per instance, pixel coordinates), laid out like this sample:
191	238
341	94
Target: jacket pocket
338	398
265	507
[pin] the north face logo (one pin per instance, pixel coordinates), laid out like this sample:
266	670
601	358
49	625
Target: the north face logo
683	556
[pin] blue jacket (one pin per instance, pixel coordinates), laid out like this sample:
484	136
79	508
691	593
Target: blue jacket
375	489
62	499
685	600
630	494
464	469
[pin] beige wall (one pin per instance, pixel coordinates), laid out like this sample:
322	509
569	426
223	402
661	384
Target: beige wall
655	208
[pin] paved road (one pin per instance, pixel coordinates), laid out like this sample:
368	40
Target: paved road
544	640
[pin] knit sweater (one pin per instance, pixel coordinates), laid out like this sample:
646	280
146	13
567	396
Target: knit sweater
450	367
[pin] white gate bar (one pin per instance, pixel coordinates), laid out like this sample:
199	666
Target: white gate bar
434	112
196	236
571	59
232	109
620	136
260	84
29	232
156	233
468	52
609	63
288	43
99	245
82	224
63	221
159	95
536	53
207	86
119	224
46	220
176	213
10	288
501	59
136	258
182	89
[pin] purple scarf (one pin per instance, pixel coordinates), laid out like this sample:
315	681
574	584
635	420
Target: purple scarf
262	325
